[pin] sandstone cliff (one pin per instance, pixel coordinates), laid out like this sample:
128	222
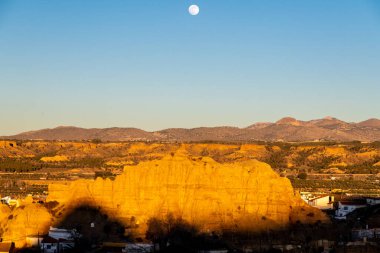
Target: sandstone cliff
213	196
28	219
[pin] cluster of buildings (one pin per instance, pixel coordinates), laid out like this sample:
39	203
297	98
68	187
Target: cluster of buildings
60	240
56	241
16	202
318	200
345	207
365	233
342	207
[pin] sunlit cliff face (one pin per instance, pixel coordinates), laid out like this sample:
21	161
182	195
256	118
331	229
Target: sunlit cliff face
241	195
27	219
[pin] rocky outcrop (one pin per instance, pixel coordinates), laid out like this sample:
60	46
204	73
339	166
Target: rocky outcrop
57	158
7	144
26	220
213	196
244	195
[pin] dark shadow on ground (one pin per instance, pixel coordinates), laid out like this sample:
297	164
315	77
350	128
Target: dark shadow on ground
94	226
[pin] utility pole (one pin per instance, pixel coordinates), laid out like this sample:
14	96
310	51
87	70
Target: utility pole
38	240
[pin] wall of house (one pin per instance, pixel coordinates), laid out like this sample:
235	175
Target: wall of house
49	247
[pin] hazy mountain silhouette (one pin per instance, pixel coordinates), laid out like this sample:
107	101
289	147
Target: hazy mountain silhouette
286	129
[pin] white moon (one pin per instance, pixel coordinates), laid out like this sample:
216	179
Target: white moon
194	10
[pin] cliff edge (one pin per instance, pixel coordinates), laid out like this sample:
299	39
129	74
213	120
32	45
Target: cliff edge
213	196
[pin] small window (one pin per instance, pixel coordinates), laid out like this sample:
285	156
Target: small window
48	246
345	208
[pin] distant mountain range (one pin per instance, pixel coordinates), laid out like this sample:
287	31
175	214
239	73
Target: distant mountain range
286	129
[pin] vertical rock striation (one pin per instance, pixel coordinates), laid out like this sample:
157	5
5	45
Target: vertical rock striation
213	196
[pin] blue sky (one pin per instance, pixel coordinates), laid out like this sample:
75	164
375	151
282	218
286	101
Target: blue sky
151	65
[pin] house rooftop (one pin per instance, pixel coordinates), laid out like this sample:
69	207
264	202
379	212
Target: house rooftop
354	202
319	197
49	239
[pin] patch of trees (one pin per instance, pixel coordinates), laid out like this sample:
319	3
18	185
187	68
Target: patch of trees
96	141
321	161
277	160
375	145
18	165
105	174
365	167
84	162
302	156
345	184
302	175
315	143
94	226
355	146
177	235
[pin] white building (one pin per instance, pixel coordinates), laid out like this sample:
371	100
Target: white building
9	201
320	201
373	201
49	245
346	207
60	233
360	234
59	240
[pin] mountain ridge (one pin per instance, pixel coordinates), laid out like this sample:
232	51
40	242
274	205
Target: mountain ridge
285	129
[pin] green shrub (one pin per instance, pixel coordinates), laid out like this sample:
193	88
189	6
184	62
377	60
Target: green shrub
302	175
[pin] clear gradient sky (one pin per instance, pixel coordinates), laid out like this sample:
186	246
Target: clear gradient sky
151	65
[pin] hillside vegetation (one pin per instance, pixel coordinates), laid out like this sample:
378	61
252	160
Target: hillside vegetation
329	158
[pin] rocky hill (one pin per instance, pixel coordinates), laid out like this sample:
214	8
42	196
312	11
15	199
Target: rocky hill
237	196
286	129
241	196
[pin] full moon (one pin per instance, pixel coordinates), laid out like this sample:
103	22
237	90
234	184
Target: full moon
193	9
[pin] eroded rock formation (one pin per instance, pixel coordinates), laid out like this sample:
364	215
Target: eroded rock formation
213	196
244	195
29	219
